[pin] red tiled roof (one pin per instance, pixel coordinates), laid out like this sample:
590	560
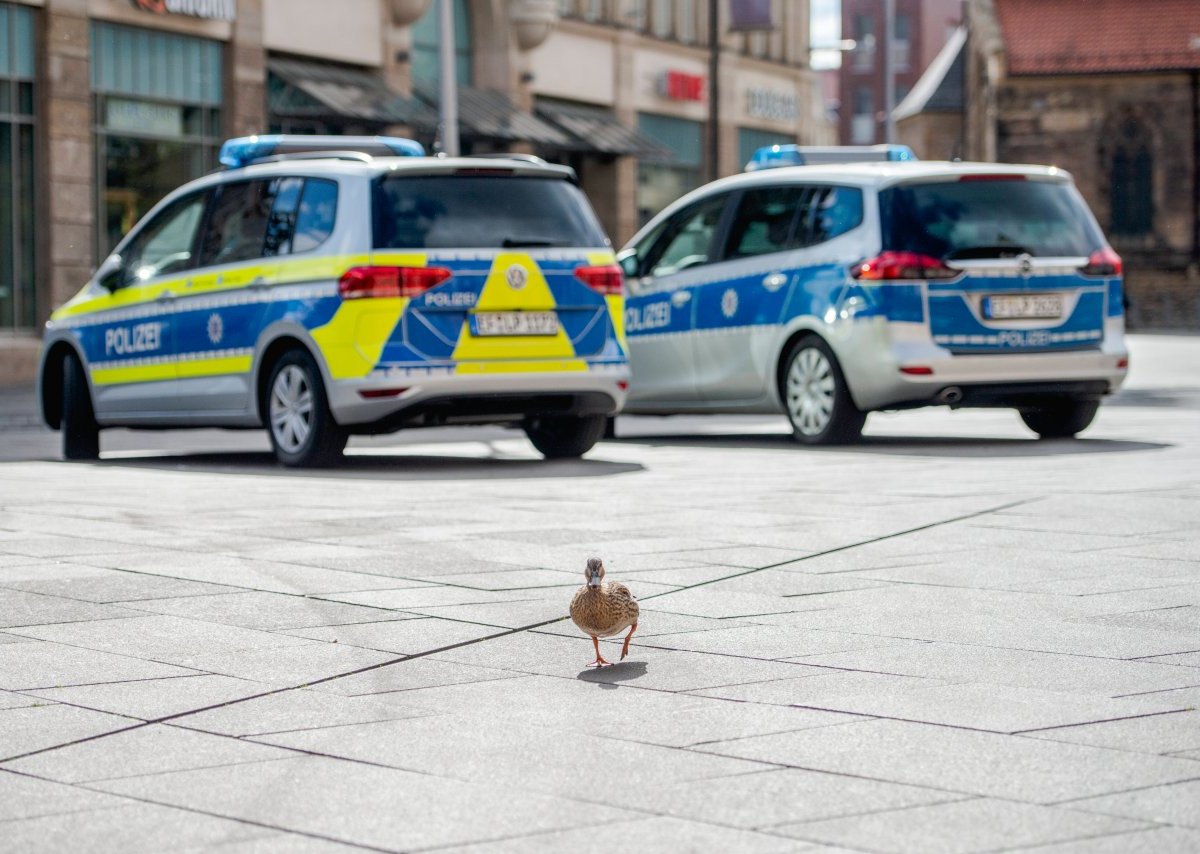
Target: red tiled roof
1094	36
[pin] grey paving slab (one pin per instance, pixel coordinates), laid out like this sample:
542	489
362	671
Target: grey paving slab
36	664
774	642
470	747
24	797
297	710
1177	804
511	579
9	700
150	749
981	763
30	728
364	804
820	686
1027	668
150	699
1183	659
1166	840
409	598
406	636
137	829
166	639
285	665
266	611
716	601
18	609
16	571
765	799
1168	733
1181	618
6	638
275	843
646	834
106	586
413	675
980	824
995	708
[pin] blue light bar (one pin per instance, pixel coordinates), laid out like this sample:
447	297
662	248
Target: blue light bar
772	156
245	150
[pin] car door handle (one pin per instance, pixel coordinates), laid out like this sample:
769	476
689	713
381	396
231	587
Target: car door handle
259	283
165	296
775	281
680	298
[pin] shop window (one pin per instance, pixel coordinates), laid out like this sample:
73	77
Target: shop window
593	10
18	273
662	180
751	140
660	18
426	36
159	114
862	121
864	39
636	16
902	43
687	21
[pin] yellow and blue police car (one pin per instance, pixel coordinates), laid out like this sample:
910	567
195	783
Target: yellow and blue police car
328	286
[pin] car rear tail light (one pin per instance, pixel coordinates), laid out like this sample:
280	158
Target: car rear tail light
903	265
375	393
606	280
379	282
1122	364
917	370
1103	262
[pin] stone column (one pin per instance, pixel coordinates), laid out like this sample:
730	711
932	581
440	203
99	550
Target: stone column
246	73
68	146
623	222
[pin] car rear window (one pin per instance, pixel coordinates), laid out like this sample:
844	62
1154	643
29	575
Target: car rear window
987	219
481	211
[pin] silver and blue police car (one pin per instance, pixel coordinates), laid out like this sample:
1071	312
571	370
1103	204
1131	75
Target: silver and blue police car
830	291
324	286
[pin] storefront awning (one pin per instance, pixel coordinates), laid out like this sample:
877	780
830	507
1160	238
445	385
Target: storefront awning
594	129
488	115
311	90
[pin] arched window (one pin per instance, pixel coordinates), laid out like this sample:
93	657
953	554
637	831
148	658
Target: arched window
1131	180
425	70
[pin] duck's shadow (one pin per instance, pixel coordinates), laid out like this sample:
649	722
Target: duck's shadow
608	677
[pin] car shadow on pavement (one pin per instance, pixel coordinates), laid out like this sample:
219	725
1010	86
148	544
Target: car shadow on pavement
921	446
608	677
376	466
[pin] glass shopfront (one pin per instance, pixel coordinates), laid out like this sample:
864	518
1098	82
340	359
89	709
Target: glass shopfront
751	140
158	108
18	253
663	180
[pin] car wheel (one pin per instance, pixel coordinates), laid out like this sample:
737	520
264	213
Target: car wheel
80	432
1060	419
564	436
816	398
302	430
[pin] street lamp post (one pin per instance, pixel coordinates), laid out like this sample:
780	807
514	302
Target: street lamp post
448	100
889	79
714	102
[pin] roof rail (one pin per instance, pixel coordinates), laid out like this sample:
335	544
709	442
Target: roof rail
503	155
772	156
242	151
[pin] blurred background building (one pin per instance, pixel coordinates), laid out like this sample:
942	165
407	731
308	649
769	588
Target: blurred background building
107	105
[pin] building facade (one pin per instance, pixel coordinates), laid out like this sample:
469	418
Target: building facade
920	29
107	105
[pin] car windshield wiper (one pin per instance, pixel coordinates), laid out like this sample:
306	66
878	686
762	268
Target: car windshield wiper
529	242
1001	250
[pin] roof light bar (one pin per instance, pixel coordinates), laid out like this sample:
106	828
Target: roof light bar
772	156
244	150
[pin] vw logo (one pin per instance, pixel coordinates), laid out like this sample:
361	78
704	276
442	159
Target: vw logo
516	277
1025	262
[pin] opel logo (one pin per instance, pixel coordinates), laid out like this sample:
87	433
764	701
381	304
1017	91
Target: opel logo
1025	262
516	277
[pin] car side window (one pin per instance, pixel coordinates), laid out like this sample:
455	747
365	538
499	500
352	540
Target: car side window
830	212
237	224
687	240
316	216
166	243
765	221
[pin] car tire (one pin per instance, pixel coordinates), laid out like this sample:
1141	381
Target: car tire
565	436
299	423
610	427
1060	419
815	396
80	432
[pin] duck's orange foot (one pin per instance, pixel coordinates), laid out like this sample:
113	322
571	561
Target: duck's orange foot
599	662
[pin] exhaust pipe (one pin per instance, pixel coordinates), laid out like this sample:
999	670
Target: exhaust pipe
950	396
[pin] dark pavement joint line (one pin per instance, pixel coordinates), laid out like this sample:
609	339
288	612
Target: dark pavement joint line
518	630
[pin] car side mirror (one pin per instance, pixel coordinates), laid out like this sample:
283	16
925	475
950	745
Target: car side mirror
629	263
111	274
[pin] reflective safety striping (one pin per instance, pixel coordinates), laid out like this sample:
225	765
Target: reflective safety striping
616	313
353	340
522	367
153	370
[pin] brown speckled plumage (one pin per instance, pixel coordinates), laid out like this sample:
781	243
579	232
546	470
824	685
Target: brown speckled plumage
601	609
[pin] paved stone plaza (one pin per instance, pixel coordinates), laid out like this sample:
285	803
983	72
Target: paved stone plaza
950	638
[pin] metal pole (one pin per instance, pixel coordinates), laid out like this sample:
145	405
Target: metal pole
714	108
448	101
889	78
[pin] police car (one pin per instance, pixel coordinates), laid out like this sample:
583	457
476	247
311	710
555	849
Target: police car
830	291
324	286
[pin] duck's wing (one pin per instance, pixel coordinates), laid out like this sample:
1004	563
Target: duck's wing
619	589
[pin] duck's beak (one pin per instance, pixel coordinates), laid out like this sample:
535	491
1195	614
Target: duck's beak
594	581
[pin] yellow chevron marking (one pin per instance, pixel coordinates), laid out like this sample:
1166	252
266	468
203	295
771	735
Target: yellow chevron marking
171	370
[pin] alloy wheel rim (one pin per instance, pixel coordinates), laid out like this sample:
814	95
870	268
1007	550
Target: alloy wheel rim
291	409
810	391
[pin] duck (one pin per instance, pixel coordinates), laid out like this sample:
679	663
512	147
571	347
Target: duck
602	609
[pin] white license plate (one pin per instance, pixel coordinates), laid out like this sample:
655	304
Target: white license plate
1010	307
514	323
